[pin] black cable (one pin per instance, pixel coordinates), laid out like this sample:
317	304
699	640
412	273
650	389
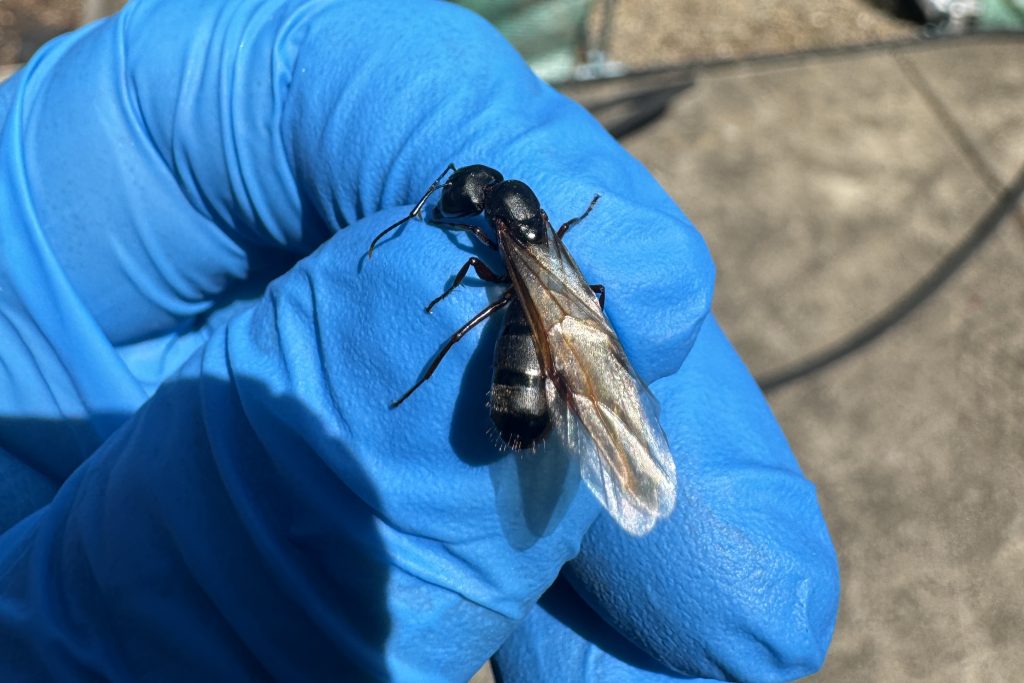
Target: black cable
1007	201
696	65
651	102
899	310
949	122
655	101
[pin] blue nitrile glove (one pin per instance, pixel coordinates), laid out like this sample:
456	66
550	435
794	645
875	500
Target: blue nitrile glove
263	515
740	583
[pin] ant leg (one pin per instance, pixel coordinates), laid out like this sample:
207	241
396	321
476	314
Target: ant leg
476	320
482	272
571	223
416	210
599	290
438	221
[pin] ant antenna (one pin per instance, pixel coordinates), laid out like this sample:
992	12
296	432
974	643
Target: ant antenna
416	210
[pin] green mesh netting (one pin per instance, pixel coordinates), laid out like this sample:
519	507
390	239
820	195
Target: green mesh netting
550	34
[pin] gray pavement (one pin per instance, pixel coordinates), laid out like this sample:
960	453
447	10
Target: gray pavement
826	187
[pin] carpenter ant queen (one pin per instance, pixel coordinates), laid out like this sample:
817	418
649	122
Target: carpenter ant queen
559	368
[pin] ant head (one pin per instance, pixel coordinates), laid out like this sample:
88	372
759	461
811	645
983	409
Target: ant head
466	191
513	205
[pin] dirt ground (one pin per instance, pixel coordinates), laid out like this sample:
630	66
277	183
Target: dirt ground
642	32
27	24
658	32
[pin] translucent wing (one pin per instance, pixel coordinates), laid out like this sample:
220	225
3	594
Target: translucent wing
602	410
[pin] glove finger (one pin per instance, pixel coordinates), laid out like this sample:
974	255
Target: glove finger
741	582
562	639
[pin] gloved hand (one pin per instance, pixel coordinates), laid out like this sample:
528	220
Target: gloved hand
197	360
739	584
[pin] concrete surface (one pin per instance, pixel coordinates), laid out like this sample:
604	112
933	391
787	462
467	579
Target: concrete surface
827	186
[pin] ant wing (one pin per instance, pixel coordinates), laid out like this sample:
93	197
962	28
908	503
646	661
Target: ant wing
623	454
603	411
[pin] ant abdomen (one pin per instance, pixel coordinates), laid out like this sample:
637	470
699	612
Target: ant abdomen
519	404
